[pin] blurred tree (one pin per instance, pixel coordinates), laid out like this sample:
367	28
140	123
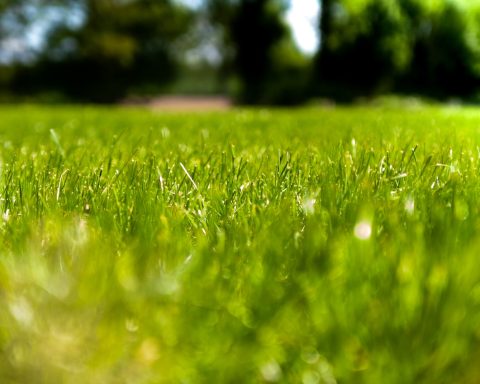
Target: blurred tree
116	46
255	28
377	46
445	60
363	49
258	50
22	23
120	45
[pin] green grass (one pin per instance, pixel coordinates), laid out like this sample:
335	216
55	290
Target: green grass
297	246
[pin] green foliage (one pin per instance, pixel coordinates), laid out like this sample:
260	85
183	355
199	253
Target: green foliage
371	47
120	44
254	35
445	52
315	245
363	50
139	47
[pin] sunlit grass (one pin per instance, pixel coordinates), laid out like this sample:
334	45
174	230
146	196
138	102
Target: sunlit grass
314	245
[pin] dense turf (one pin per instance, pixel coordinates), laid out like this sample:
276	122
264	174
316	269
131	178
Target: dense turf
313	246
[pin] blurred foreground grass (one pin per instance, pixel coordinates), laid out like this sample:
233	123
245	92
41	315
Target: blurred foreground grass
297	246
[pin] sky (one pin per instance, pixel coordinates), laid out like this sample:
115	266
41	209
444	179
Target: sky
303	17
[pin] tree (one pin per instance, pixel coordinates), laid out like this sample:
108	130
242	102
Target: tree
257	49
256	28
119	45
444	58
362	51
407	46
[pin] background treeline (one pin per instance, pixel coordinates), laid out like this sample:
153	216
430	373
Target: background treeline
106	50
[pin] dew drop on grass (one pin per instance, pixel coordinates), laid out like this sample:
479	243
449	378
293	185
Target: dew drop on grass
410	205
363	230
271	371
354	148
22	311
308	205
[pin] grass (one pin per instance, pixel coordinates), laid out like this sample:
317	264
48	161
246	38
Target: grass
299	246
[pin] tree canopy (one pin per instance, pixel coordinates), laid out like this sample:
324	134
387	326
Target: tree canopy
104	50
119	45
407	45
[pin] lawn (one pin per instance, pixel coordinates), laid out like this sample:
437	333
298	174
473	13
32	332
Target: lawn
309	246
